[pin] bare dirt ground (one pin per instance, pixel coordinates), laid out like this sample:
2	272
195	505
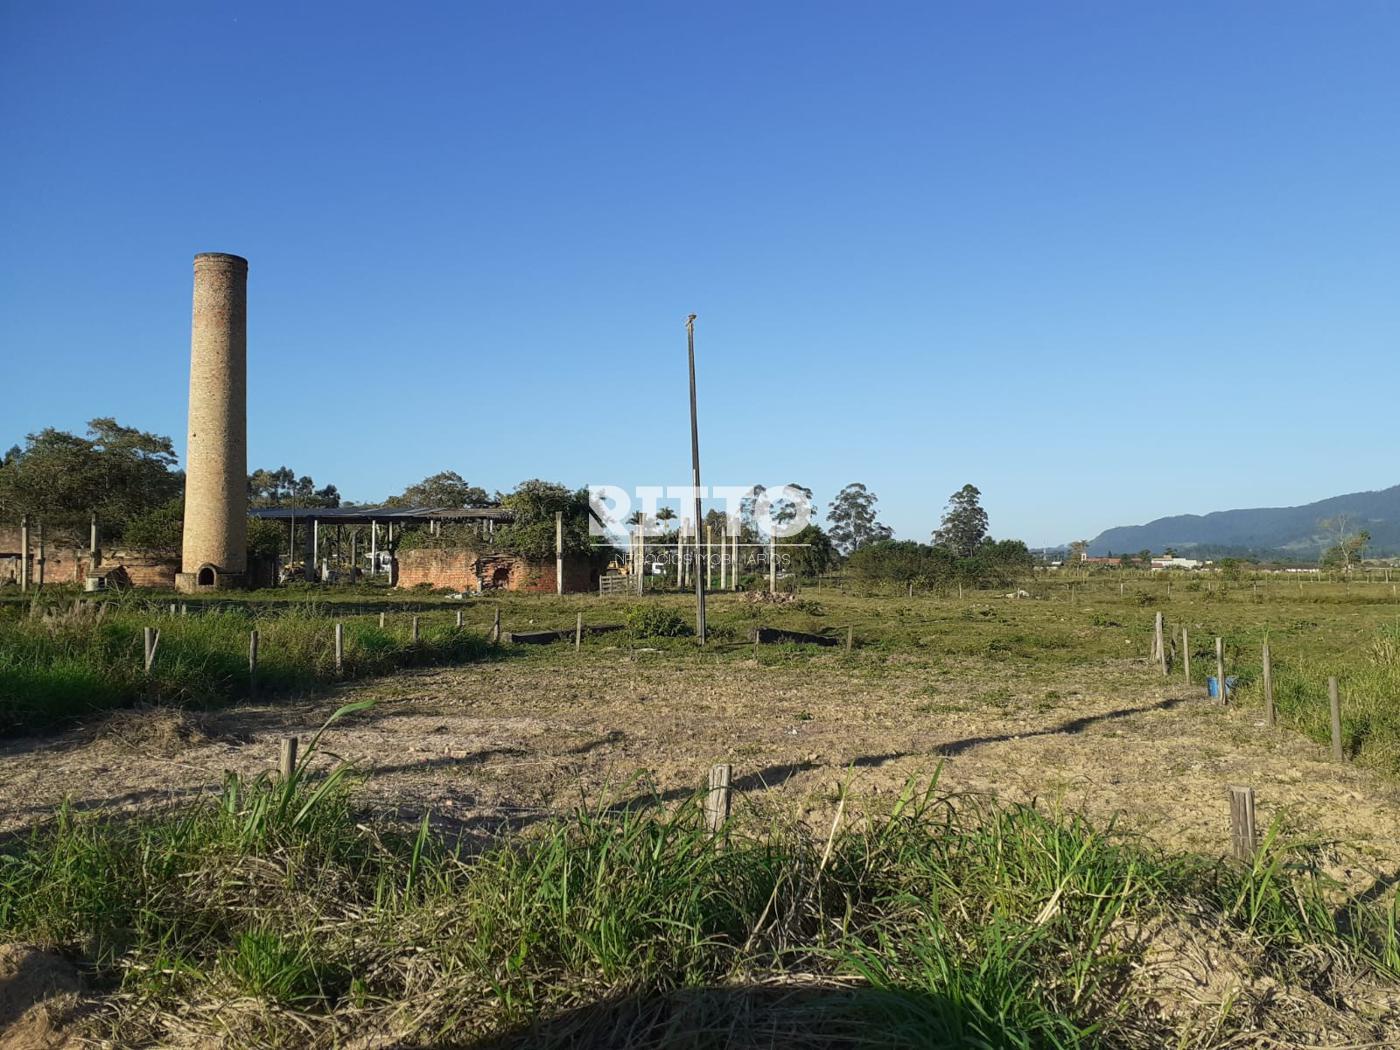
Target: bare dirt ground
494	746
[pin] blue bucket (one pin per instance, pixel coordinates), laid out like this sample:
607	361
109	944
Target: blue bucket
1213	687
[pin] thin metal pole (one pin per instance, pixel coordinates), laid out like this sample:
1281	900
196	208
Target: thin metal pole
695	480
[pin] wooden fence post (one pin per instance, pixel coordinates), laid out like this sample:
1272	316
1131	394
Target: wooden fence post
381	621
152	640
1242	831
415	629
1160	643
287	761
1220	668
339	648
578	632
850	638
1269	715
252	663
558	552
1334	702
459	619
1186	654
717	799
496	626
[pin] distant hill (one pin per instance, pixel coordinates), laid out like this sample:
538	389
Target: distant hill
1279	532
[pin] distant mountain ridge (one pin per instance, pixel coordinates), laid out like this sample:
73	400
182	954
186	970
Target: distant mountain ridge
1282	532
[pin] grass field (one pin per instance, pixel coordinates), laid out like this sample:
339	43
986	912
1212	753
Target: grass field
937	921
63	667
53	671
848	904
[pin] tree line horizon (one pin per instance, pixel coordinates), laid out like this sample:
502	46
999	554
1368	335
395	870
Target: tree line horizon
130	480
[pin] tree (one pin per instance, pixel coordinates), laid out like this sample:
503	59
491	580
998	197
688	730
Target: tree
899	561
1006	559
1232	569
1347	547
115	472
264	538
160	528
812	552
446	489
748	510
964	522
530	533
1077	550
282	487
785	510
853	521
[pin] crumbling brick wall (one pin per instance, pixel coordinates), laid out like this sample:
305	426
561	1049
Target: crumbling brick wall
64	562
437	568
147	568
469	571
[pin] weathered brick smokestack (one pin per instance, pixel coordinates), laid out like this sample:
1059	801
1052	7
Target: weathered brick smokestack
216	462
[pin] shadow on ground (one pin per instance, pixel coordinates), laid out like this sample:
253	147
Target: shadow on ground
1074	725
774	1017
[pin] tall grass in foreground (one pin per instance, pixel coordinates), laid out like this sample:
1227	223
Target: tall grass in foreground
55	669
277	915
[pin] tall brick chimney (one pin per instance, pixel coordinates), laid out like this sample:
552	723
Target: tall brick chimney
216	461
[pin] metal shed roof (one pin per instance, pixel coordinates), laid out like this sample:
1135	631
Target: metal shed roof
369	515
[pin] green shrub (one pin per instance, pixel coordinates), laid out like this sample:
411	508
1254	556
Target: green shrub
656	621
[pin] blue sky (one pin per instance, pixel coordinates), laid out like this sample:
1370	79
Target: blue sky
1106	261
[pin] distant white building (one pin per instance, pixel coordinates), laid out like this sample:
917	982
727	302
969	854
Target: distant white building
1177	563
